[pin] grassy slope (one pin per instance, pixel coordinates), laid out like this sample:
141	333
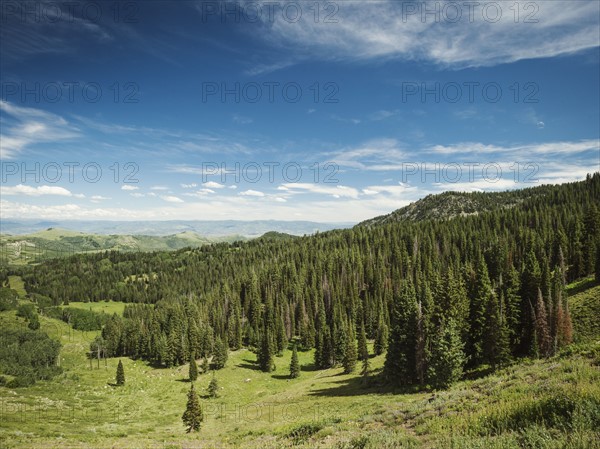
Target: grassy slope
320	409
585	309
108	307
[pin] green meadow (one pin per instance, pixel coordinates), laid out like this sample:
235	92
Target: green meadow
549	403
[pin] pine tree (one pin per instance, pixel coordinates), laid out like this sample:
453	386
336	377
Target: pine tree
193	416
363	353
294	364
496	343
205	365
399	367
221	354
531	280
213	387
481	300
447	358
420	355
120	378
193	370
265	352
381	338
541	327
597	267
350	354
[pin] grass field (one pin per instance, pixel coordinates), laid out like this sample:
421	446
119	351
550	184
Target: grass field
108	307
552	403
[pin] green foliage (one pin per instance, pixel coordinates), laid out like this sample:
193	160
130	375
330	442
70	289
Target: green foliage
26	310
85	320
120	377
213	388
265	352
400	360
350	353
28	355
8	299
295	364
192	417
193	370
447	357
221	354
303	432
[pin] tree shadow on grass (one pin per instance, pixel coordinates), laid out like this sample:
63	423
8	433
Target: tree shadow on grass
281	376
183	379
308	367
357	387
249	364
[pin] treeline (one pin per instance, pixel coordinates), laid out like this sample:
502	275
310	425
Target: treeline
438	294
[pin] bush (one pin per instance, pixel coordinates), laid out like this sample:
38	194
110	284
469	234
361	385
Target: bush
28	355
303	432
26	311
8	299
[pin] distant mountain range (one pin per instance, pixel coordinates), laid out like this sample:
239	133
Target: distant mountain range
204	228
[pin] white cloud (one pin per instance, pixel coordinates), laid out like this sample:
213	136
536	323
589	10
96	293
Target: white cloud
172	199
139	195
337	191
386	29
26	127
251	192
99	198
189	186
159	188
129	187
566	147
21	189
213	185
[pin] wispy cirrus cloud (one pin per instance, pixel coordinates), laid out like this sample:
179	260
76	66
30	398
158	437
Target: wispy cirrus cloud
24	127
482	36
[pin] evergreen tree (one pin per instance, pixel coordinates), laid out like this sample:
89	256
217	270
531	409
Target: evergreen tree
193	369
482	299
213	387
363	353
363	349
541	327
193	416
221	354
265	352
205	365
350	355
447	359
531	280
597	267
420	348
294	364
496	343
381	338
120	377
399	367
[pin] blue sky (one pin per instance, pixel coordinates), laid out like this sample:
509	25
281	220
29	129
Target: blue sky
330	111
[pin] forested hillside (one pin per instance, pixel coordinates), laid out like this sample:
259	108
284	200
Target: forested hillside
437	294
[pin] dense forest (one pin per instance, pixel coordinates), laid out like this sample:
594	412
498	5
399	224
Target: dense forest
438	295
